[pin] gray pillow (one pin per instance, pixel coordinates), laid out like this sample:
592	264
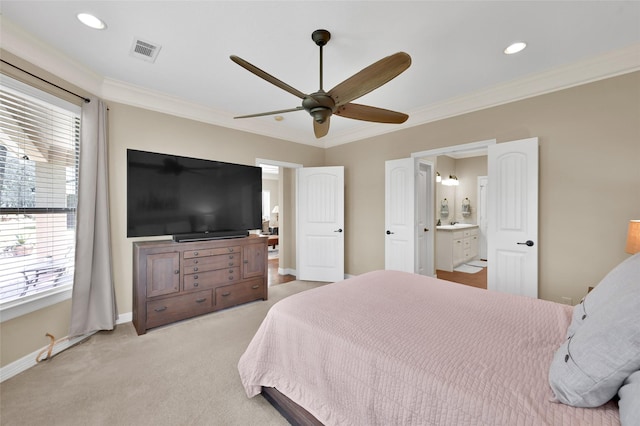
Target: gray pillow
629	402
625	274
591	365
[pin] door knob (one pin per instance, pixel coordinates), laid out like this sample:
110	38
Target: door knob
426	229
338	230
528	243
389	232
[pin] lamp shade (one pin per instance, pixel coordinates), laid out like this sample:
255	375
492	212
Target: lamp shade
633	237
275	210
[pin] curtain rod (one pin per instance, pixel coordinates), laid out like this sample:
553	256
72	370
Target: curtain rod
87	100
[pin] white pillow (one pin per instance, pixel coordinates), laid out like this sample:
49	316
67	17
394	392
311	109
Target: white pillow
625	274
629	402
604	349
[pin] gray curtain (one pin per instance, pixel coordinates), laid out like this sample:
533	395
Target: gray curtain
93	298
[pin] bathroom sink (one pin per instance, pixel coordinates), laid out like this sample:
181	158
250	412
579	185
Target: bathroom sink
456	226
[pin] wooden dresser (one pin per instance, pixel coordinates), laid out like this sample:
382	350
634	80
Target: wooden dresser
173	281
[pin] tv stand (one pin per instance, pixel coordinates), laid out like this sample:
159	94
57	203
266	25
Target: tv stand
206	236
173	281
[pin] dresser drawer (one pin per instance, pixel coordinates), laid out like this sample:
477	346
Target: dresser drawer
210	263
211	252
165	311
202	280
235	294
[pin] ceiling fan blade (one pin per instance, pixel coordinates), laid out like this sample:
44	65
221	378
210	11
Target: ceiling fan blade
281	111
321	129
370	78
369	113
266	76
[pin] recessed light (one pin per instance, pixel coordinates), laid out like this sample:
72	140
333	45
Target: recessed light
91	21
515	48
278	118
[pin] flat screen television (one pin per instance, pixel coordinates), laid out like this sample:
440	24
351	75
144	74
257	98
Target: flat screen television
189	198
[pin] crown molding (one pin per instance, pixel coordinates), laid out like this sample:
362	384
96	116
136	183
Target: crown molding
22	44
607	65
610	64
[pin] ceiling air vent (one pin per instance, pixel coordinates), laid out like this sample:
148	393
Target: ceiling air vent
144	50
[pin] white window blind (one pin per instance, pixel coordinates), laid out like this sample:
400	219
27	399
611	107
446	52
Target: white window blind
39	152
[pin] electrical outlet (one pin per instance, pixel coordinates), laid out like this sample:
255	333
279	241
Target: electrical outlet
567	300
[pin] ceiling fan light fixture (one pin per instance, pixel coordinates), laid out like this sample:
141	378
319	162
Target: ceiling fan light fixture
91	21
515	48
321	114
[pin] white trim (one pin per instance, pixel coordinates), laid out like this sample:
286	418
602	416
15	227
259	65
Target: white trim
23	306
453	149
28	361
607	65
278	163
288	271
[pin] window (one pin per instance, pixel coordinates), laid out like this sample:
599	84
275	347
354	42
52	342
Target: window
39	152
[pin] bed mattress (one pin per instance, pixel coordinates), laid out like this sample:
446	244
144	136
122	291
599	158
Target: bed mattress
392	348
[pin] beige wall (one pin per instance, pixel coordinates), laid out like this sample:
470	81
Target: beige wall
589	184
589	177
131	127
136	128
271	185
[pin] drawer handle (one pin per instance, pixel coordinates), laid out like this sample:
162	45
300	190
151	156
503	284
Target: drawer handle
230	263
230	249
226	293
177	271
230	277
231	257
231	271
195	253
202	299
195	277
196	284
195	269
195	262
160	309
255	287
246	261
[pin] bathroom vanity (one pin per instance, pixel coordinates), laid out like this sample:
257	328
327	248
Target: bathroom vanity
455	245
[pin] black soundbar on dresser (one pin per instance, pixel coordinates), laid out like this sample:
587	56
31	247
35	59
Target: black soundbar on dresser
205	236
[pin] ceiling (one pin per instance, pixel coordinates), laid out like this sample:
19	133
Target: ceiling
456	47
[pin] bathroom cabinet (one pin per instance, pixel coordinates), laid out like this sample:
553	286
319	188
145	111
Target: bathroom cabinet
455	246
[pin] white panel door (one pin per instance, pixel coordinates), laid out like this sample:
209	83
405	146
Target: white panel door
320	224
399	247
513	217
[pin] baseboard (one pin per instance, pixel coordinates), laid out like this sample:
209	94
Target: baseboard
28	361
287	271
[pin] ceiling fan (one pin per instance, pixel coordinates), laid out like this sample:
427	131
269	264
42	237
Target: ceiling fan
321	105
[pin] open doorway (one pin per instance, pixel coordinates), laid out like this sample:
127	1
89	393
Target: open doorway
457	201
278	215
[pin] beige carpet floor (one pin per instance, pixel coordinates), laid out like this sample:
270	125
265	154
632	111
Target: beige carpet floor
182	374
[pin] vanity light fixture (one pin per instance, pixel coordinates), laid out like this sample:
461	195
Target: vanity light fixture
451	181
515	48
438	177
91	21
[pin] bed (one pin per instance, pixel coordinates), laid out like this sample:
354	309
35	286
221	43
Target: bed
392	348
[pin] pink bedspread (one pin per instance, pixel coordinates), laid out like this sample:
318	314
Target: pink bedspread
391	348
